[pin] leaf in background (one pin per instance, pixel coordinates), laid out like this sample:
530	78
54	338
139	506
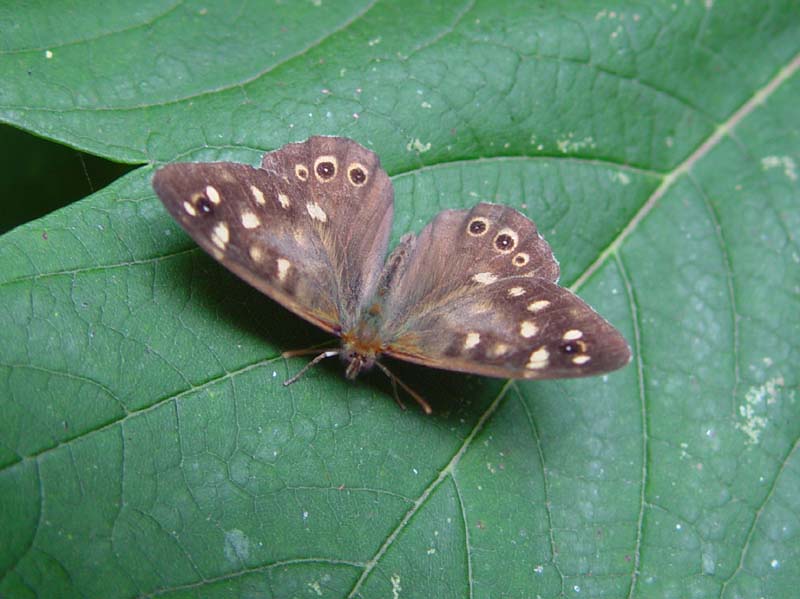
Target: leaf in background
70	176
147	446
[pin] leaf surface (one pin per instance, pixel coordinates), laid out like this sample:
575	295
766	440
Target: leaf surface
147	446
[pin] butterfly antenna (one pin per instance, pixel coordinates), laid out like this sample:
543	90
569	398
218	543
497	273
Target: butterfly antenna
326	354
396	381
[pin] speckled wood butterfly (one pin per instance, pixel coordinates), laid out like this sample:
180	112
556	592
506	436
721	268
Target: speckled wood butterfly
475	292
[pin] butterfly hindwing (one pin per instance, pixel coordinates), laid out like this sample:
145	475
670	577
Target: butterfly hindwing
478	293
516	328
287	228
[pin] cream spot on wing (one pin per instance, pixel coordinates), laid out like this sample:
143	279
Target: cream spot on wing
220	235
284	200
528	329
189	208
581	359
572	335
538	305
498	349
484	278
255	253
250	220
516	292
316	212
538	358
213	194
472	340
283	268
218	255
258	195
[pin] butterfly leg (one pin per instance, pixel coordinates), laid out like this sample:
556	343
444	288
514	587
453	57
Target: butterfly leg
293	353
396	381
326	354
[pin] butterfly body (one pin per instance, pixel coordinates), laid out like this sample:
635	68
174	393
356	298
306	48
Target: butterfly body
476	291
362	345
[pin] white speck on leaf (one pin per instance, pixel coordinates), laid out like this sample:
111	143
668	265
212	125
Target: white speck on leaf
396	588
709	565
237	546
568	144
416	145
48	54
787	162
620	177
314	586
755	401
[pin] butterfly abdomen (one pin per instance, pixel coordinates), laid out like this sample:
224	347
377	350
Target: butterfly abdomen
395	264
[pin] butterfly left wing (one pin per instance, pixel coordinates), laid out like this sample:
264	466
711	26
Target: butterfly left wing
309	228
478	294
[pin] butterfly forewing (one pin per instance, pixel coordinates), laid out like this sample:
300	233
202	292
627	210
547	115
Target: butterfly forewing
343	194
287	228
479	294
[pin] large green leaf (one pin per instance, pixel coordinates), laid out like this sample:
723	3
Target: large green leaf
147	446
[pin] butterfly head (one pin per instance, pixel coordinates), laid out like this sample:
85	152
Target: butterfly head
356	362
361	347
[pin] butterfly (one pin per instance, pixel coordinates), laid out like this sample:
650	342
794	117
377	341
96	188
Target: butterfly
476	291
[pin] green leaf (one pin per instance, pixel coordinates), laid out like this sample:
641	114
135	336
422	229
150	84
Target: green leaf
147	445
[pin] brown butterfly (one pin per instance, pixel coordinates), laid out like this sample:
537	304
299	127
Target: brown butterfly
475	292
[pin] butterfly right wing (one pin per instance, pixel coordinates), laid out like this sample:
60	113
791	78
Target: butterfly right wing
287	230
477	293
